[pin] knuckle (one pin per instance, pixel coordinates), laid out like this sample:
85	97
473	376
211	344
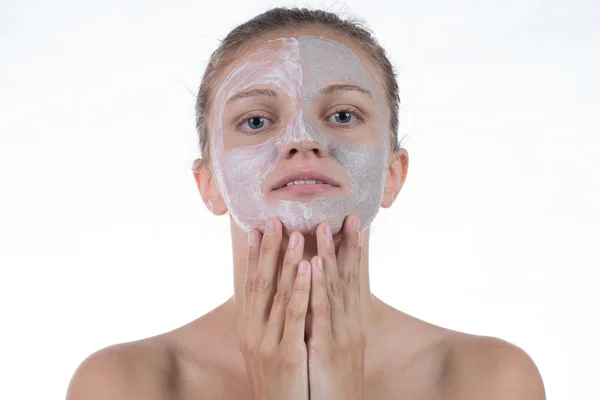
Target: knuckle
322	281
282	296
265	350
300	286
323	308
248	287
316	345
292	357
330	251
294	312
253	257
290	251
352	280
260	284
247	345
269	245
336	288
288	263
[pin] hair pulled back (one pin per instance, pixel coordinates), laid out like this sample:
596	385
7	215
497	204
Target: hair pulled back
292	18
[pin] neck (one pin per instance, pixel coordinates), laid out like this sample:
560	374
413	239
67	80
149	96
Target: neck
372	308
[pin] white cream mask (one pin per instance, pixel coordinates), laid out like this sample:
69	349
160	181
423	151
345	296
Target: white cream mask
298	68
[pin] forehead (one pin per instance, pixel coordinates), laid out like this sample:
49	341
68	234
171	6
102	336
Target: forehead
310	61
325	60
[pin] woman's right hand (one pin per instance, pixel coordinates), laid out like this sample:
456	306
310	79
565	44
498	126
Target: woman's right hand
272	333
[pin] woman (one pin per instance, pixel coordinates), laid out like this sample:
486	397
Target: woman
297	120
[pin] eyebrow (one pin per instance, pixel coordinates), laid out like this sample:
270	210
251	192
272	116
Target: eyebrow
253	92
326	91
345	86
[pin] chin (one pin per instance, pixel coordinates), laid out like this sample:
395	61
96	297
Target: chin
304	229
308	228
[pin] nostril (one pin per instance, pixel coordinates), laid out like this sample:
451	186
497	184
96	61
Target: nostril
293	151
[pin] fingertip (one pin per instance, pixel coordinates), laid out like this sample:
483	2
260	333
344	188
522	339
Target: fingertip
273	226
321	227
293	241
356	223
303	268
278	225
252	238
317	263
352	223
300	237
325	231
269	226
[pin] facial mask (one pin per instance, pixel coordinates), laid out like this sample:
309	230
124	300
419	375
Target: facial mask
300	68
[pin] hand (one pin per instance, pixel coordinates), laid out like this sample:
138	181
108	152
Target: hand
337	343
272	336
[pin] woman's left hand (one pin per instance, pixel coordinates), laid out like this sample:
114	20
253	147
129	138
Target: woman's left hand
336	345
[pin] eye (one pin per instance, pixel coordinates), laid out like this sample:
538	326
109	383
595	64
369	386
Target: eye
255	123
343	117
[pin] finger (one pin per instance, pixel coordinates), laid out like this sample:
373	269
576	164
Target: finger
254	240
326	249
349	270
347	256
319	303
285	288
264	284
295	312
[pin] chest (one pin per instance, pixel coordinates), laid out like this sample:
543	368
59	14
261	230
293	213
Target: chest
393	391
391	373
412	382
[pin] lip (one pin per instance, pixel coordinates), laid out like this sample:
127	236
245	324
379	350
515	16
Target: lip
305	174
305	189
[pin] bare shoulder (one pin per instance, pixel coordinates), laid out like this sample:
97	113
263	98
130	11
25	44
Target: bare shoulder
488	367
144	369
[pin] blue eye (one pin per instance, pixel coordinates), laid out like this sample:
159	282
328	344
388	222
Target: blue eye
256	123
344	117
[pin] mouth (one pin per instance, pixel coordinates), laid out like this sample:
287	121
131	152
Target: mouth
305	182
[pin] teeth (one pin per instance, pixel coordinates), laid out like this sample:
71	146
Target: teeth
304	182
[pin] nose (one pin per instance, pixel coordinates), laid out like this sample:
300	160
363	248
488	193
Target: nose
305	148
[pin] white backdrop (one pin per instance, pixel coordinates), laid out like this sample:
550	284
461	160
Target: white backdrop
104	238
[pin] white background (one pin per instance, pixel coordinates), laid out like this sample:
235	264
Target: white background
104	238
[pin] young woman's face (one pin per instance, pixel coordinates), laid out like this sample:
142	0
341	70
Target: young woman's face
300	133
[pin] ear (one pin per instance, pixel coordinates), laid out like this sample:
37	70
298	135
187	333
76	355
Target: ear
396	175
209	191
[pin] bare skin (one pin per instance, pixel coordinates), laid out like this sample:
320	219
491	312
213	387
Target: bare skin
405	358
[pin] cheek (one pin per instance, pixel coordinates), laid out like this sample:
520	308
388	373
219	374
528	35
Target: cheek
249	165
252	163
365	166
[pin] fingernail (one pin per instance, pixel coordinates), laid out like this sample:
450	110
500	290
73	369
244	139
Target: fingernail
293	241
319	263
327	231
360	238
270	227
302	268
355	224
252	238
